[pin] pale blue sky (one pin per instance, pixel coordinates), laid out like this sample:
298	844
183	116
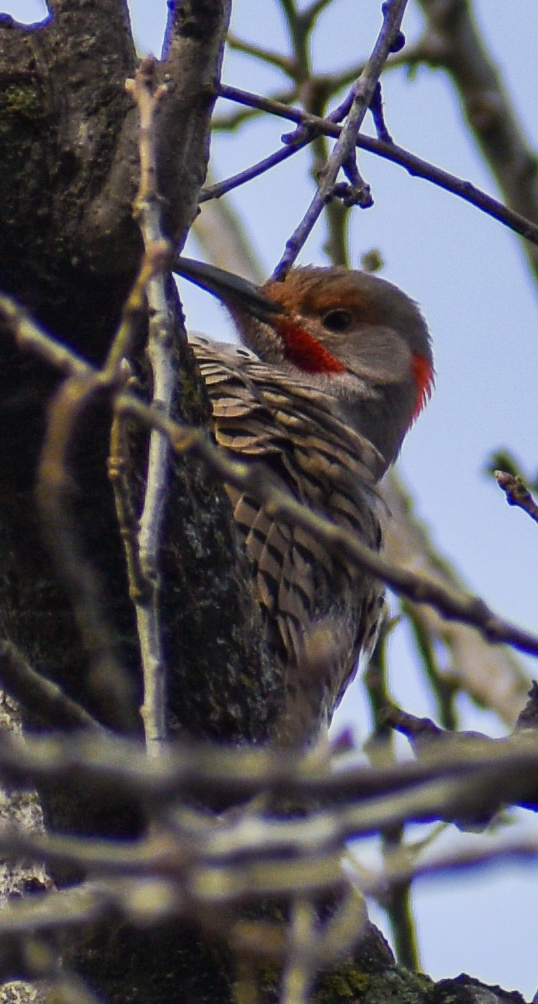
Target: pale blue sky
470	277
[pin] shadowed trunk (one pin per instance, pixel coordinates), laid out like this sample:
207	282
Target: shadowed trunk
69	252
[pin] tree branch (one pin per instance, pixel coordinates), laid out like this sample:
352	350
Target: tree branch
39	695
517	493
362	94
491	674
192	52
459	47
147	209
389	151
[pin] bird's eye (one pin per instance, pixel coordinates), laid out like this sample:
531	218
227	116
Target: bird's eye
337	320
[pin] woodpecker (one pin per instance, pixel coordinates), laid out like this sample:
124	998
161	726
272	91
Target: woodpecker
334	368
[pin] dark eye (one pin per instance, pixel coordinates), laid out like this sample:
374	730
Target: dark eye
337	320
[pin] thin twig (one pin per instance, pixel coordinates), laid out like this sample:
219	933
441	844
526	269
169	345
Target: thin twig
344	927
300	969
59	910
243	854
265	55
444	688
147	94
215	191
38	694
396	902
376	108
389	151
517	493
237	118
146	856
401	868
119	469
345	145
509	764
119	466
310	13
331	83
107	679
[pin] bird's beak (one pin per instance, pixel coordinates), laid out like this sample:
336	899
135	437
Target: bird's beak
230	288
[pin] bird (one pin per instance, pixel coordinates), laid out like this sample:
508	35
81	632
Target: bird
333	367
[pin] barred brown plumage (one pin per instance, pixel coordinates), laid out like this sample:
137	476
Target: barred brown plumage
340	368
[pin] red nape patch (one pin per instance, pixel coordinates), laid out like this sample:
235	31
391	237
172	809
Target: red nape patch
305	351
423	374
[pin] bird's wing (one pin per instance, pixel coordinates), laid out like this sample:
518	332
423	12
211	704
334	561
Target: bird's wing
306	592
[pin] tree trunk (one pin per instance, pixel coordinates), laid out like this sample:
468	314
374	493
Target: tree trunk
69	252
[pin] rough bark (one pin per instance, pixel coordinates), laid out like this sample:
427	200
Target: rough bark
69	251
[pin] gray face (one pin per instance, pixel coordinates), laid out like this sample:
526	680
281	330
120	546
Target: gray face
377	364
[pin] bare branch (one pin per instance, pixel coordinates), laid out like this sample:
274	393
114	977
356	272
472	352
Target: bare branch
517	493
298	972
389	151
38	694
457	44
312	12
401	867
107	678
470	772
265	55
362	94
220	188
147	94
491	674
59	910
233	121
331	83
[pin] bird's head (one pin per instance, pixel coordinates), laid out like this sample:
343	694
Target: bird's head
355	336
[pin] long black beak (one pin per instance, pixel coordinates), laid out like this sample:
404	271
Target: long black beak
228	287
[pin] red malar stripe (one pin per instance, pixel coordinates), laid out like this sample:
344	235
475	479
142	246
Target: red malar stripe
302	349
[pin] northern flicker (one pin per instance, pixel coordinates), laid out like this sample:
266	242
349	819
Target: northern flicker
334	368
